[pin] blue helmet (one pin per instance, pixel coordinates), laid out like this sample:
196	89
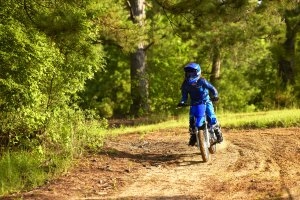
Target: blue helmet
192	72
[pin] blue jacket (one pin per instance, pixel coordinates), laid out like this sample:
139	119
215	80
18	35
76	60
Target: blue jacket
199	93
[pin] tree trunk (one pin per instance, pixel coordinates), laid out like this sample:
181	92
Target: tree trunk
286	60
216	66
139	83
139	80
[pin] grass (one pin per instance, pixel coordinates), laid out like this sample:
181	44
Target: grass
18	171
267	119
21	170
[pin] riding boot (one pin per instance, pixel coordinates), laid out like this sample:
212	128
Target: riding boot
192	140
218	133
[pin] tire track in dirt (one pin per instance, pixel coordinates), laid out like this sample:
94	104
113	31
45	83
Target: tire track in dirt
249	164
254	164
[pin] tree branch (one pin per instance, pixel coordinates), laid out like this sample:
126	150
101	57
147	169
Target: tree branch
27	12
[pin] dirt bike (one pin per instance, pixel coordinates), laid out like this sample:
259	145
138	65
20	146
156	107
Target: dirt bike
205	135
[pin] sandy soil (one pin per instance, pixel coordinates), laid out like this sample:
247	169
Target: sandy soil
249	164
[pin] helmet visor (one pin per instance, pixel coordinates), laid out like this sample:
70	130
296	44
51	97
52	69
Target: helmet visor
191	74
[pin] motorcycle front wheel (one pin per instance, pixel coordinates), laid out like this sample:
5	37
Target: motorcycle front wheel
202	145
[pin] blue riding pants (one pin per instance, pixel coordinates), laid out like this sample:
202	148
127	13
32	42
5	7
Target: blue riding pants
198	112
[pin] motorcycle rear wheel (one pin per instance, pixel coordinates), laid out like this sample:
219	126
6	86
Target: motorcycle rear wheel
212	149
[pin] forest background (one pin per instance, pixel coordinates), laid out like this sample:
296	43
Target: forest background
66	64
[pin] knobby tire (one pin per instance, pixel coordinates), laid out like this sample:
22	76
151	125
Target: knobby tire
212	149
202	146
213	145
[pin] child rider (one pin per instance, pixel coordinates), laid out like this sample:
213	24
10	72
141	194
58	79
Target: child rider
198	89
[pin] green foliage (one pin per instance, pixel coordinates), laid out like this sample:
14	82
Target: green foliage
108	93
43	65
165	66
28	60
113	25
243	37
47	52
249	77
242	77
69	131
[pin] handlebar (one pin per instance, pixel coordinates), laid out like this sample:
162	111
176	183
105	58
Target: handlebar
214	100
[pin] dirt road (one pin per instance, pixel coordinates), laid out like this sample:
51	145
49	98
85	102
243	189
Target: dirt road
249	164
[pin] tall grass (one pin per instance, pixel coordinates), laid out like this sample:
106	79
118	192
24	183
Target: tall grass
19	171
268	119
